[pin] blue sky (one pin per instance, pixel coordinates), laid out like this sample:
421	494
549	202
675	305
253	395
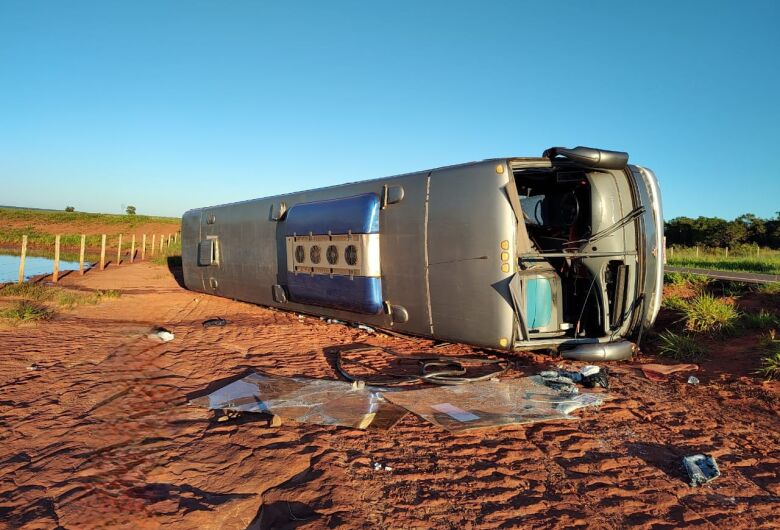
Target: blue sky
174	105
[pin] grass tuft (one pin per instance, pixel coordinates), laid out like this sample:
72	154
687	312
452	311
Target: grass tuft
67	298
762	320
770	362
28	291
681	347
26	311
705	313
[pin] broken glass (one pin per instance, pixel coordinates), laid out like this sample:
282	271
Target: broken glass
318	401
492	403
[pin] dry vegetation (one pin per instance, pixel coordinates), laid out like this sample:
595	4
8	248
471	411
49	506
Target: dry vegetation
28	302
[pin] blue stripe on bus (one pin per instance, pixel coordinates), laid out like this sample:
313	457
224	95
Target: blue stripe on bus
358	214
359	294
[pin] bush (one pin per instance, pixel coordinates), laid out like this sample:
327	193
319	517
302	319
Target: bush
681	347
705	313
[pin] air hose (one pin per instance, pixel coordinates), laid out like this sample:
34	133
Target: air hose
432	369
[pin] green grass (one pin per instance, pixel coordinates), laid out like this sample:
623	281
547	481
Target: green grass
738	260
696	282
681	347
705	313
47	216
40	237
675	303
26	311
170	256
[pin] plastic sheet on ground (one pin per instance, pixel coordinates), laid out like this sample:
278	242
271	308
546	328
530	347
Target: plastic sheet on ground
318	401
492	403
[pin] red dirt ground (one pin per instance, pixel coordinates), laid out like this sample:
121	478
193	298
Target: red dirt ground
98	433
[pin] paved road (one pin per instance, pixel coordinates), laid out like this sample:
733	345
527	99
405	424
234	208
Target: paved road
748	277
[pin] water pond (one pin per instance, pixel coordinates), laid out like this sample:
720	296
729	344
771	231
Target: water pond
33	266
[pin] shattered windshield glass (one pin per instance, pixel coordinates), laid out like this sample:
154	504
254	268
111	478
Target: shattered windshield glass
492	403
318	401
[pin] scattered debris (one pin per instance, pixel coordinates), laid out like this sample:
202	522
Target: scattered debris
378	466
34	367
367	329
594	376
333	321
693	380
589	376
160	334
661	372
557	381
214	322
701	469
228	415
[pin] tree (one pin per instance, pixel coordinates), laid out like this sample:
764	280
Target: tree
70	209
130	210
715	232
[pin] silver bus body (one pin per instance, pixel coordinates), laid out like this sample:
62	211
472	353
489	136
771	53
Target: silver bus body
520	253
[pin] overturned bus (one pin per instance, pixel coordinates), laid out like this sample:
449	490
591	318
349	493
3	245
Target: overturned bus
561	252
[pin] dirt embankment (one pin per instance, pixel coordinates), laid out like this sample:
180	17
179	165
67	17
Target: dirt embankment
98	433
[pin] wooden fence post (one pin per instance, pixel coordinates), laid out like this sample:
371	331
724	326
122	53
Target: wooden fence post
55	275
162	240
168	241
727	252
102	251
143	247
132	248
153	245
119	250
81	253
22	257
697	251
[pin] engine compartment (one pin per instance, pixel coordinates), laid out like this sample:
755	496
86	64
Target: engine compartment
565	269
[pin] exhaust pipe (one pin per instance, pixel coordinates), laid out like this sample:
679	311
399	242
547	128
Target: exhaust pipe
590	157
601	351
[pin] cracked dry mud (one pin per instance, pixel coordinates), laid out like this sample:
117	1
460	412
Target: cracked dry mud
100	435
